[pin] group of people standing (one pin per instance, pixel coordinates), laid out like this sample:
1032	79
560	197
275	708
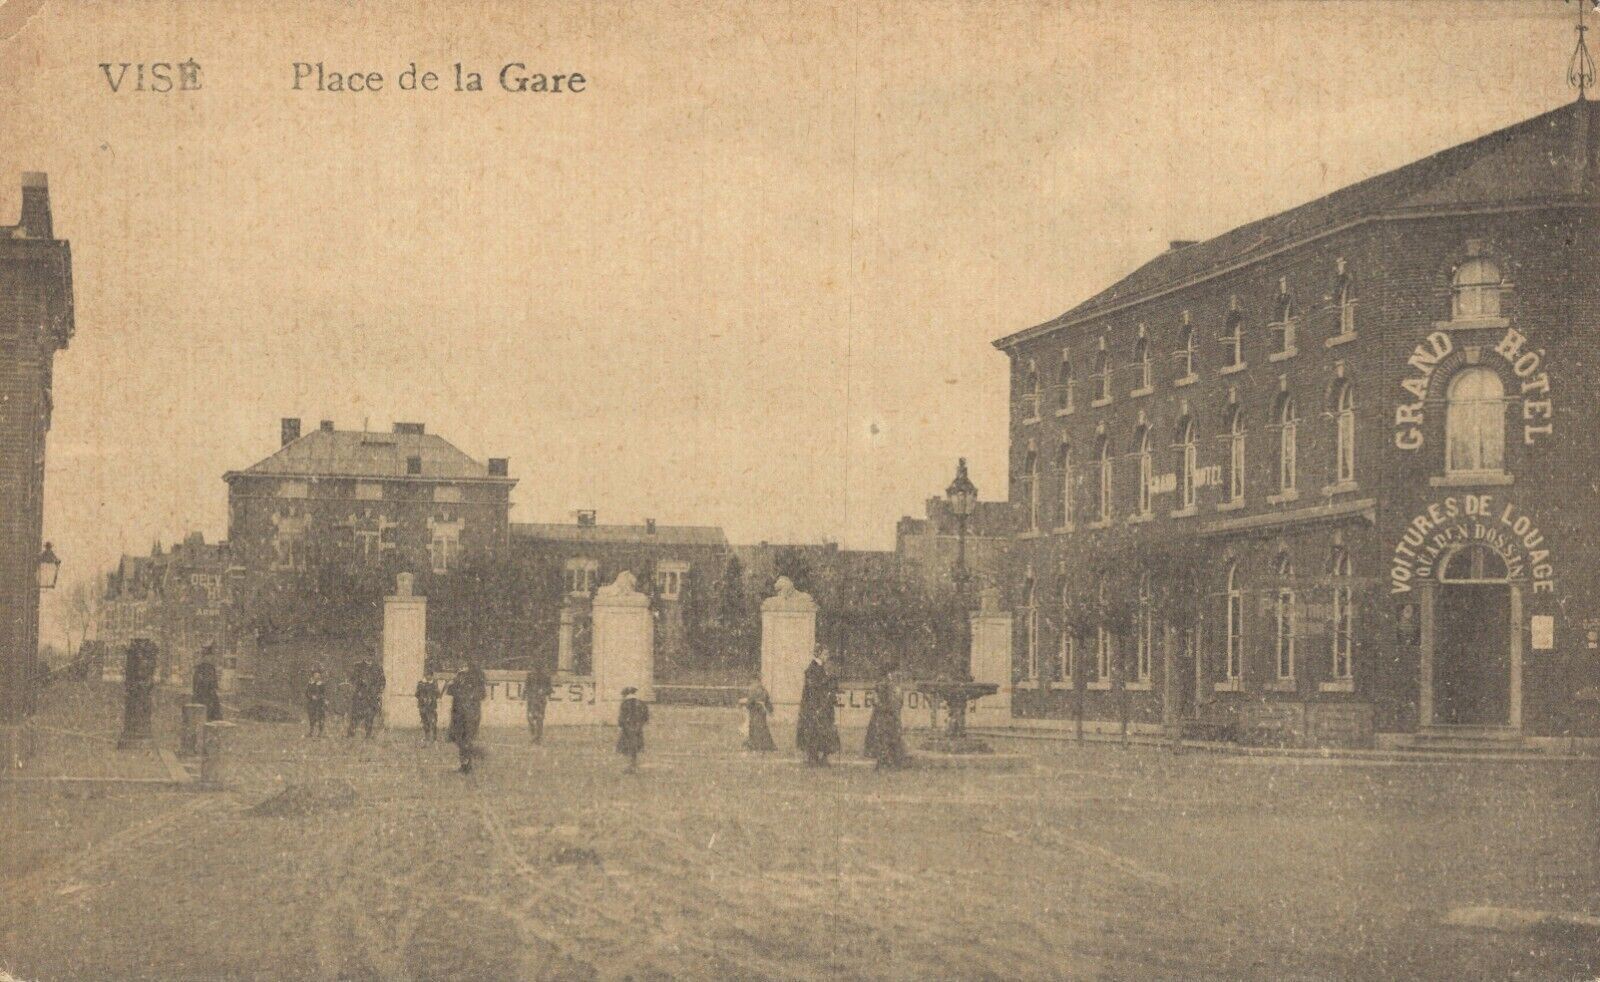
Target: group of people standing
364	700
817	729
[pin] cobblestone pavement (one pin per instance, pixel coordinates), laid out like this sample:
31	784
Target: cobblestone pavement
356	859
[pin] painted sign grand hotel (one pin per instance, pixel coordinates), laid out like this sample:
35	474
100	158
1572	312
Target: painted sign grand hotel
1330	477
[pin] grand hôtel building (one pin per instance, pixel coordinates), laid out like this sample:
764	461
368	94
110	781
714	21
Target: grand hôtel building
1332	477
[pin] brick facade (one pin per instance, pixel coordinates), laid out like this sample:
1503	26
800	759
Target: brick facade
36	321
1371	279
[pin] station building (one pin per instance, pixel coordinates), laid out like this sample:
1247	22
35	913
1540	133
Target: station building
1330	477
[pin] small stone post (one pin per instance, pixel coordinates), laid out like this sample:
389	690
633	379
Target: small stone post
990	658
788	640
405	649
624	641
192	737
138	695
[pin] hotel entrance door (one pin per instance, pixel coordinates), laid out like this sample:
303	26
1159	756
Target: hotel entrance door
1472	654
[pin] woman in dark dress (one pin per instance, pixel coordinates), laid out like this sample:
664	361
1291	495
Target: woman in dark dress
631	718
885	740
758	708
816	733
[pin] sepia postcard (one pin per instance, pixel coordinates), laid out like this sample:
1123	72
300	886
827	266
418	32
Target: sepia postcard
799	489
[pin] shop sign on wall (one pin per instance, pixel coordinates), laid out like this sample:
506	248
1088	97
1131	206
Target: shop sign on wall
1466	520
1525	364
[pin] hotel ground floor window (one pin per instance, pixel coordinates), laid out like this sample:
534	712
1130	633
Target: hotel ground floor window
1284	616
1146	631
1343	619
1030	631
1064	645
1233	622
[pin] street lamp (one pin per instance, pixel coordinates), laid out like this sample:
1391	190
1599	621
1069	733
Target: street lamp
962	496
49	568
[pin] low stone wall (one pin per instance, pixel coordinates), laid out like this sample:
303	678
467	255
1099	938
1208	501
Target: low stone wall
572	702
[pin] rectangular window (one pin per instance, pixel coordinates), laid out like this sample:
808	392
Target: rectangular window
1146	645
579	576
1343	633
1102	655
1064	663
1235	652
1285	638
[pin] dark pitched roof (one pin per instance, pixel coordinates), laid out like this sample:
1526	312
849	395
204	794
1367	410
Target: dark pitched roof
352	453
676	535
1551	157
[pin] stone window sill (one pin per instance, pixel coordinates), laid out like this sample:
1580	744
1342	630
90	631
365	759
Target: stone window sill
1472	324
1232	369
1227	685
1064	529
1284	498
1283	355
1338	685
1231	505
1026	685
1098	403
1029	420
1189	379
1141	685
1470	479
1339	339
1185	512
1099	685
1139	393
1061	685
1064	411
1141	518
1096	526
1282	685
1029	534
1343	487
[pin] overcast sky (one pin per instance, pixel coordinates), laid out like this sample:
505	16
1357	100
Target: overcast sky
749	277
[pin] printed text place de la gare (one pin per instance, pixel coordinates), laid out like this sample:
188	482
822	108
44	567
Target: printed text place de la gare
513	76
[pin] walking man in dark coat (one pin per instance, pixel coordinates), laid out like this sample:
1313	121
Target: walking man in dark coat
632	715
536	690
467	691
817	735
316	703
428	707
207	690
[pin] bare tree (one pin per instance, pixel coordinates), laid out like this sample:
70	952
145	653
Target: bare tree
82	608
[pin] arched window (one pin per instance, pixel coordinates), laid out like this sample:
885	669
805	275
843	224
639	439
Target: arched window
1185	352
1283	324
1102	374
1185	462
1235	485
1233	341
1141	361
1145	629
1284	616
1475	423
1064	513
1064	665
1032	466
1233	618
1344	416
1030	628
1102	648
1064	383
1476	291
1343	617
1345	295
1146	468
1288	424
1030	391
1103	479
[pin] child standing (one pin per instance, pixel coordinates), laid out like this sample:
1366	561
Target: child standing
316	703
631	718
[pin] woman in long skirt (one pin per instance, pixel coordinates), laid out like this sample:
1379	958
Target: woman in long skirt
632	715
757	709
885	742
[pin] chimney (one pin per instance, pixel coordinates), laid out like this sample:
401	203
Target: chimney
327	426
1180	244
36	205
291	430
586	517
499	466
650	526
411	429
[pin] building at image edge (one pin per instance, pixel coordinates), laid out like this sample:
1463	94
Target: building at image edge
1329	478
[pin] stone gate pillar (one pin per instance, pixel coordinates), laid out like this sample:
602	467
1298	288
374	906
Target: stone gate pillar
405	647
990	658
624	641
788	639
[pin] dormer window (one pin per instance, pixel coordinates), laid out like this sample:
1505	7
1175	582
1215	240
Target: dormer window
1476	291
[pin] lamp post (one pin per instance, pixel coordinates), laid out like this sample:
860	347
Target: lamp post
49	568
962	496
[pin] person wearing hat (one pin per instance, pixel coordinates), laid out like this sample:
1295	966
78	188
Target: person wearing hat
467	691
816	734
427	695
631	718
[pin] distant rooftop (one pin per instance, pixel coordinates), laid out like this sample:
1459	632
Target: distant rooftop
682	535
328	452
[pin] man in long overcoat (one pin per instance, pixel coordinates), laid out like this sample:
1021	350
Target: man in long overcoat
207	689
467	691
816	734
